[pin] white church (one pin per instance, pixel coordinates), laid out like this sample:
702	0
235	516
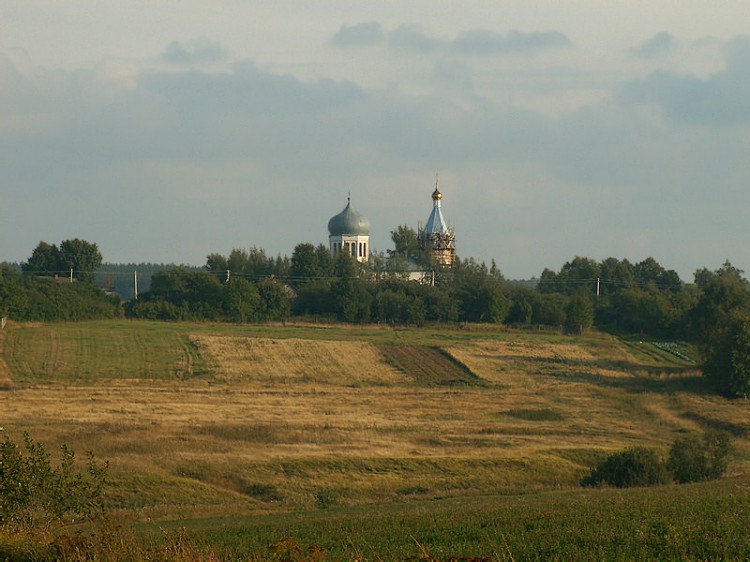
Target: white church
349	231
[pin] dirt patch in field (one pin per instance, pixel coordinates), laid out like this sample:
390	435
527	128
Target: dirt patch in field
428	365
295	360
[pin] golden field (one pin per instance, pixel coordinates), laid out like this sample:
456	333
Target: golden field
200	419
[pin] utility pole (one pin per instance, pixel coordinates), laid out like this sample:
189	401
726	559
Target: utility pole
135	284
71	275
597	287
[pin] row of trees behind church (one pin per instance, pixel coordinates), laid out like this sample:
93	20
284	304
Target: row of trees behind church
248	286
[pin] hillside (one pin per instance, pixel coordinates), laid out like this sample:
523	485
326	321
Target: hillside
217	419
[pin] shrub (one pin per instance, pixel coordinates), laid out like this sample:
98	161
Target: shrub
694	458
33	492
636	466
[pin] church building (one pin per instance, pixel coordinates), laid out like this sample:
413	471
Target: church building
436	238
350	232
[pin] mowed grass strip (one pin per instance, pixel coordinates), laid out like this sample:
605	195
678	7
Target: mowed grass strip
294	360
62	353
429	365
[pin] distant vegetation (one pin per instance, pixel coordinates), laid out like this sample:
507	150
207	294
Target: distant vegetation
41	298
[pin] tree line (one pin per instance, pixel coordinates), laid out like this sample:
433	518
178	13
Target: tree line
614	295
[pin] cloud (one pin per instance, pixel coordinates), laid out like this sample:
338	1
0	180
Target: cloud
455	76
177	163
196	52
737	53
721	99
413	38
659	44
487	42
361	34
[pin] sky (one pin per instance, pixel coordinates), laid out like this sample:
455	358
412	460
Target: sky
166	131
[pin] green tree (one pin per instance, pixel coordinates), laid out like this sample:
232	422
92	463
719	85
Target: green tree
314	298
274	300
253	264
549	282
305	263
325	260
14	300
405	243
579	313
522	307
480	292
726	361
580	275
721	292
400	302
651	276
351	299
44	260
719	327
191	294
576	276
441	304
241	300
550	310
636	310
216	263
615	275
82	257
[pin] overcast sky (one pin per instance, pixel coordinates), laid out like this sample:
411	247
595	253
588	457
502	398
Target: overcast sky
164	131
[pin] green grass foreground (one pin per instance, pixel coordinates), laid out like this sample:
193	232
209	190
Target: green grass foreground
705	521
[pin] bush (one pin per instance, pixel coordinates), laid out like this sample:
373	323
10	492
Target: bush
637	466
35	493
694	458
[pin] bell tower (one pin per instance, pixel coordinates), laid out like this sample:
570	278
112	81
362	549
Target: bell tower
436	238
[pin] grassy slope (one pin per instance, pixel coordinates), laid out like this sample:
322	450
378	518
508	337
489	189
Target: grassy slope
217	420
698	522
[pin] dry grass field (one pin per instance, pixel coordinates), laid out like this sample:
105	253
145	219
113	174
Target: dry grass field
214	419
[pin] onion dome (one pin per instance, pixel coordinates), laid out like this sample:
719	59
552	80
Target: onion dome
349	222
436	222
